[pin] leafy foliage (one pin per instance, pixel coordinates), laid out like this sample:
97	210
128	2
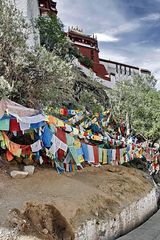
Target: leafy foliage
53	38
86	61
13	35
140	100
5	88
40	78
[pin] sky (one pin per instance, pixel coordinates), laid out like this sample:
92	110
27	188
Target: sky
128	31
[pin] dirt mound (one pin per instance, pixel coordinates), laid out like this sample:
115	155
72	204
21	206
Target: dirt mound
43	220
97	193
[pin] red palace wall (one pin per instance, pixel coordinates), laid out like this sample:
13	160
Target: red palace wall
93	54
89	52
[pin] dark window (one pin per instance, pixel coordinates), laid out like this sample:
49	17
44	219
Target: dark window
125	70
116	68
92	54
121	69
129	71
44	4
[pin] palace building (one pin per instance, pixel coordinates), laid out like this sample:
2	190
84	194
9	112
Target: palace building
120	71
47	6
31	10
105	71
88	46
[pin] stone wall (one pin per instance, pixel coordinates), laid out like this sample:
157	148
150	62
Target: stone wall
121	223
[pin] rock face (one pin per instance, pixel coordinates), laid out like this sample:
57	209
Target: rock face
18	174
29	169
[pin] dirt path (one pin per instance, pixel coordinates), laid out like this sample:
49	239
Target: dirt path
77	196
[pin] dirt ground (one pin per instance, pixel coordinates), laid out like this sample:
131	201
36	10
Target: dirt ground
71	197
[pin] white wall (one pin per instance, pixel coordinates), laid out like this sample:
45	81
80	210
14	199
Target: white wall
91	74
123	222
30	9
121	73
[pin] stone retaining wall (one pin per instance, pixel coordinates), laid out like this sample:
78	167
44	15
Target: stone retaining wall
121	223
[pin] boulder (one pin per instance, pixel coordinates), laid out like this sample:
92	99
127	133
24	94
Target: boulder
29	169
18	174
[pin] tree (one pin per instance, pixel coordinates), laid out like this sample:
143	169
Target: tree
53	38
30	73
38	78
139	99
5	88
13	35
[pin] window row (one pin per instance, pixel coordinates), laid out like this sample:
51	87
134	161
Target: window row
123	69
